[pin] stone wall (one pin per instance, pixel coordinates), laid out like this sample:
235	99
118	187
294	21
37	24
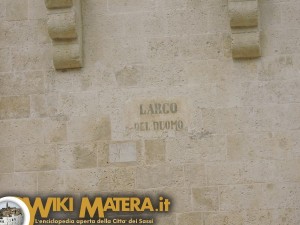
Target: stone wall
233	156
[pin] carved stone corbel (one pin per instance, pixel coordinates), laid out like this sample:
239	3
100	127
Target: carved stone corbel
65	29
244	22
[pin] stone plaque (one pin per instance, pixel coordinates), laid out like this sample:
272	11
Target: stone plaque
156	116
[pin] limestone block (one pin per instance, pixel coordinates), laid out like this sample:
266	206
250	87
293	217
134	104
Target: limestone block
101	179
181	198
281	196
25	83
58	81
221	218
122	152
160	176
240	197
163	219
19	33
25	184
62	25
183	21
66	56
6	159
31	57
17	10
190	218
55	130
248	172
246	45
19	132
14	107
129	76
52	4
103	154
195	174
2	9
89	128
160	49
130	5
77	156
258	146
6	182
204	46
123	179
36	10
86	180
205	199
197	150
243	13
5	60
155	151
78	104
36	158
38	106
51	182
21	184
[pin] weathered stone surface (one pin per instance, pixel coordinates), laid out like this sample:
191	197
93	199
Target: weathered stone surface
18	132
190	218
155	151
51	182
89	128
18	184
36	158
195	175
55	130
240	197
16	10
160	176
26	83
77	156
253	217
7	159
31	57
130	5
108	179
38	106
14	107
5	60
25	184
205	199
36	9
122	152
196	150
